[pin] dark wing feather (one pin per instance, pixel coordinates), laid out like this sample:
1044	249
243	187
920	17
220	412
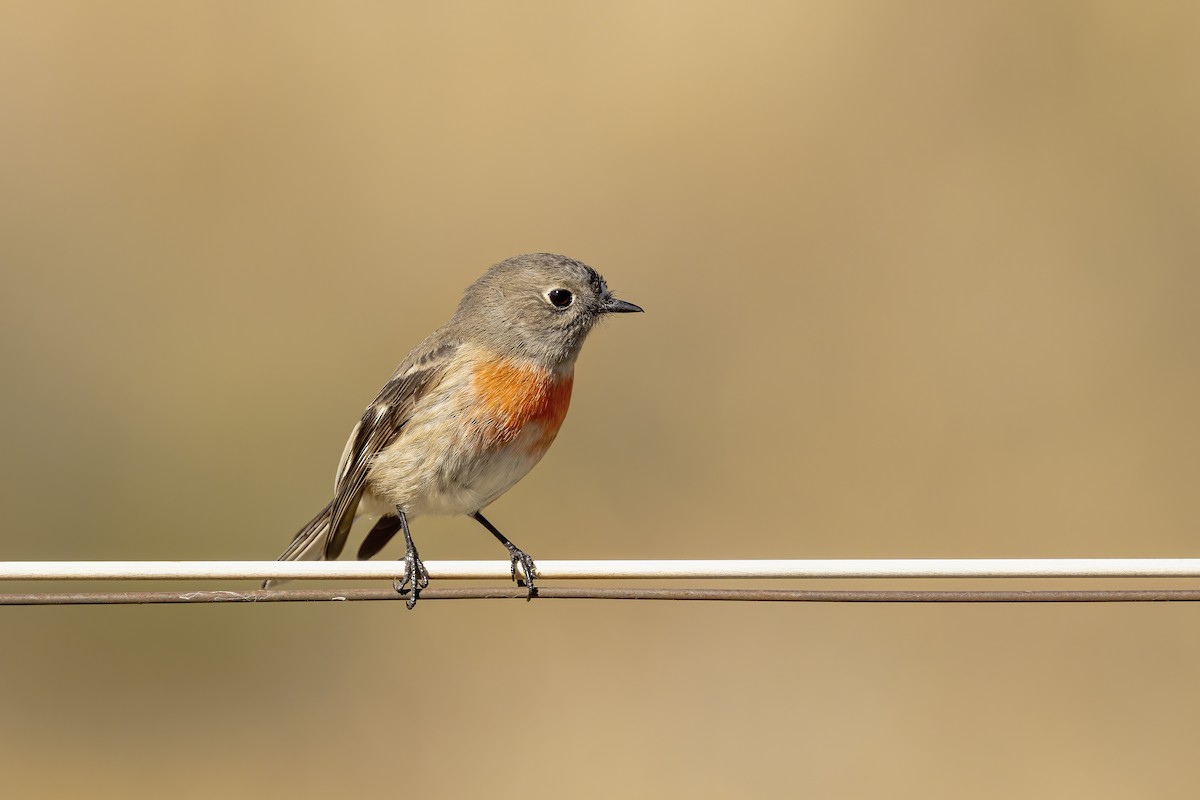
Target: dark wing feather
379	536
306	538
381	423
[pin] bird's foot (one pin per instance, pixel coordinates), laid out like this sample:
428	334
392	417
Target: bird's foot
528	570
415	577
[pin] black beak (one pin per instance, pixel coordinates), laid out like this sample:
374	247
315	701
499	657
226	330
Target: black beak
612	305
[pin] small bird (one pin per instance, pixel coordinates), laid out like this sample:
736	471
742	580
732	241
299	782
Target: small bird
466	414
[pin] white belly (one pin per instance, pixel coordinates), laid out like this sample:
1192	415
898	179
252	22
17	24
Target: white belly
455	476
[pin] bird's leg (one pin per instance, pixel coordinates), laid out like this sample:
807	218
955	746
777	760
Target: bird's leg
414	571
515	555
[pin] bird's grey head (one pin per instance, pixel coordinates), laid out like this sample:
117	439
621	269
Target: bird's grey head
538	305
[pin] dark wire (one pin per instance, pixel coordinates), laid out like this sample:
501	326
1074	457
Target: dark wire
557	593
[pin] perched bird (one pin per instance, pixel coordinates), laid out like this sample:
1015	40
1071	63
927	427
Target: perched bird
467	414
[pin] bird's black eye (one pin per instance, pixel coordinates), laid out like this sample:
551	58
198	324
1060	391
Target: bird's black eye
560	298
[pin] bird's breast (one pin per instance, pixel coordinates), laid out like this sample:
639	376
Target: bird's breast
516	398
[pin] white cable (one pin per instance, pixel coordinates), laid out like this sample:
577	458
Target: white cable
597	570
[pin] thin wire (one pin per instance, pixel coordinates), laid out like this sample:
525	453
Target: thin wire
557	570
517	593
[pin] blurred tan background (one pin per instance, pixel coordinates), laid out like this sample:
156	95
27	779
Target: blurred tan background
921	279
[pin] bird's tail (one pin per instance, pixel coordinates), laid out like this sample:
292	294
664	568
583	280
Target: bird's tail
309	542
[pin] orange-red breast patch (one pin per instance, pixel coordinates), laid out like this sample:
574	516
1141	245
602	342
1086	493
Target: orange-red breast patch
517	395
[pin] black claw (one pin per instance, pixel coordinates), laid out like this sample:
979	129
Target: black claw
517	555
415	574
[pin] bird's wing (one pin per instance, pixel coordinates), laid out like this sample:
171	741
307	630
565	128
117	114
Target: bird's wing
379	426
379	536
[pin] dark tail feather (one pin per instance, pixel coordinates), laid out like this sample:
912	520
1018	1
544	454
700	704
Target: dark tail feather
308	544
379	536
